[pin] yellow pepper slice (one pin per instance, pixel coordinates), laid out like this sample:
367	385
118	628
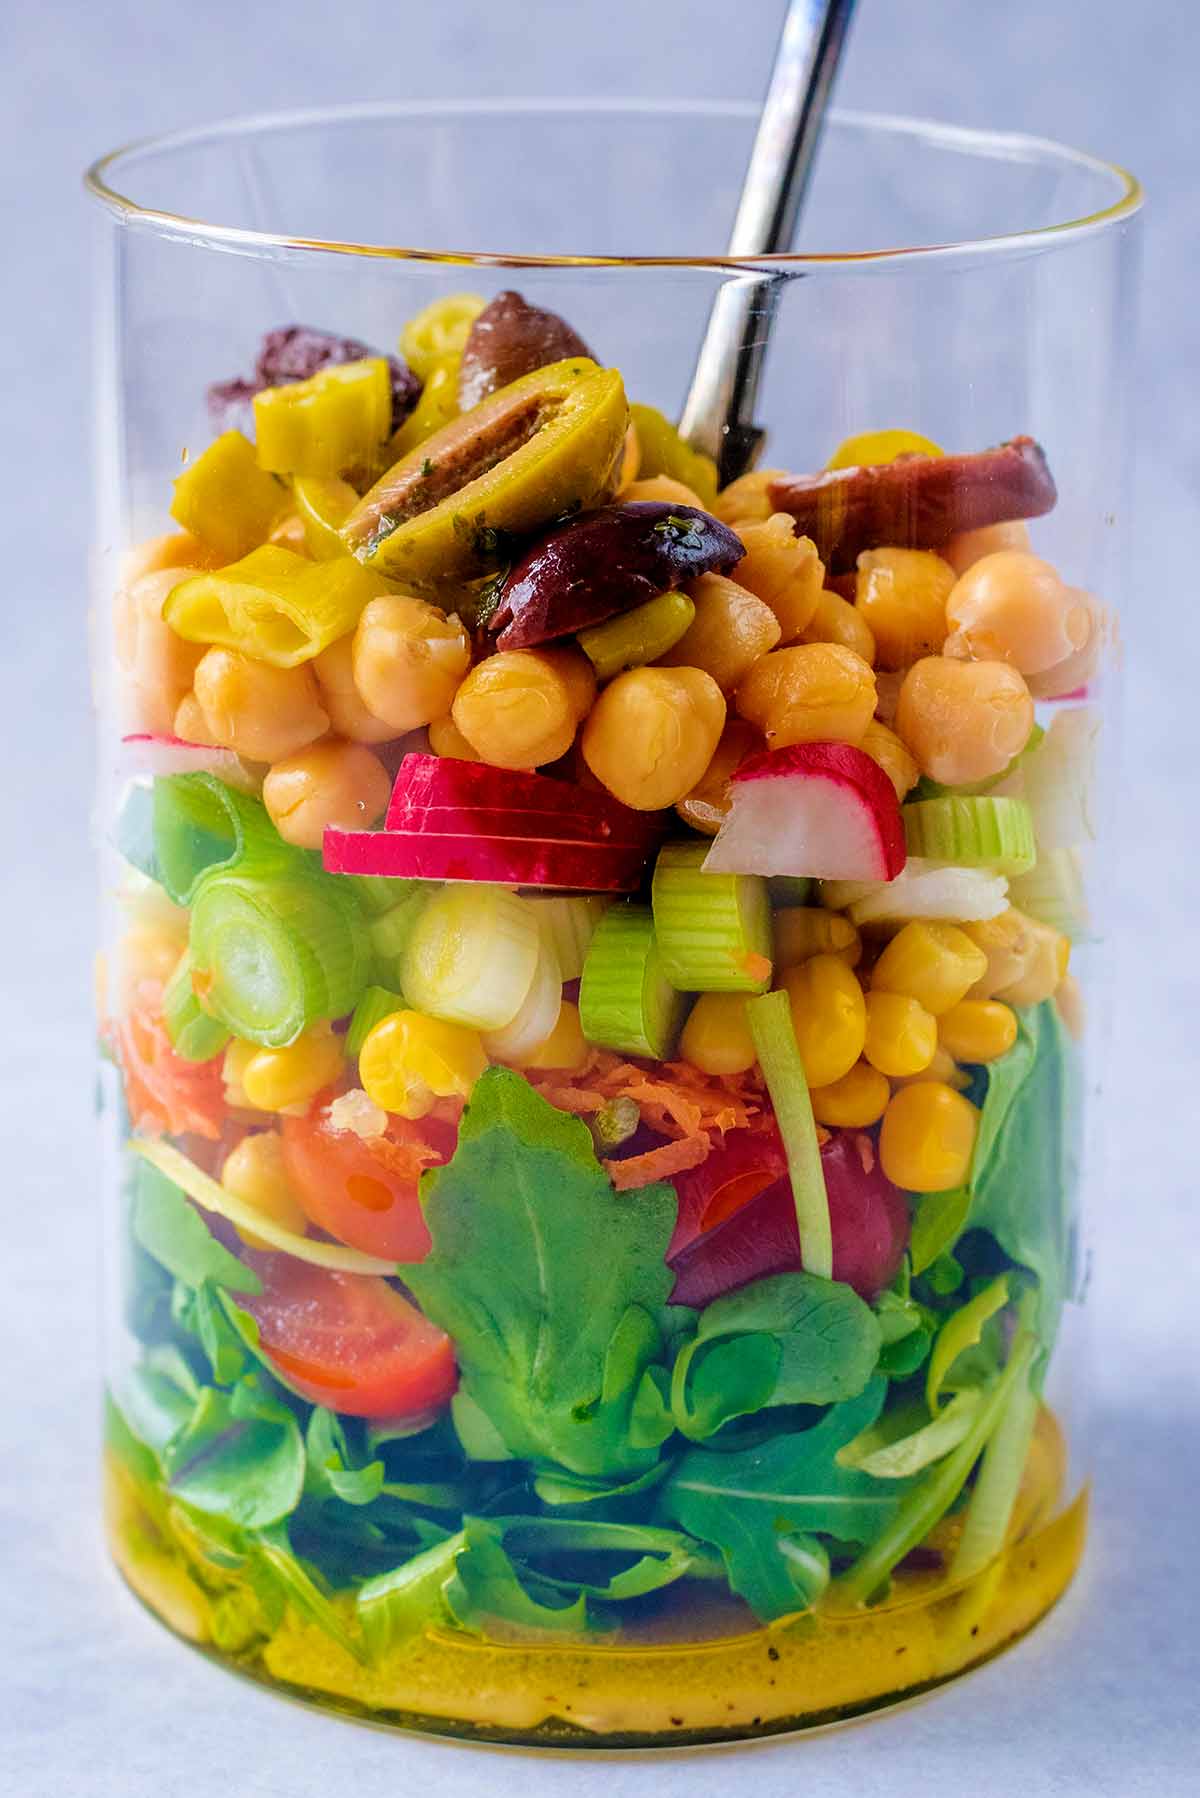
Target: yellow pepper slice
337	420
869	448
323	504
439	331
226	499
273	605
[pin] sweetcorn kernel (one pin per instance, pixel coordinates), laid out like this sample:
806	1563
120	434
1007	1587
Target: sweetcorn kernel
409	1060
289	1078
928	1137
854	1102
254	1172
978	1030
901	1034
716	1038
942	1068
802	931
829	1017
934	963
566	1048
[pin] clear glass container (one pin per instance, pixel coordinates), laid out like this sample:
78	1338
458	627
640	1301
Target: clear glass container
720	1369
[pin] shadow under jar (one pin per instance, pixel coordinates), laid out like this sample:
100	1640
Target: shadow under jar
595	968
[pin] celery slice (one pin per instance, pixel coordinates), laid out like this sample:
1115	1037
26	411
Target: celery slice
713	930
194	1034
626	1001
272	956
471	955
202	826
975	832
210	1195
376	1004
273	605
770	1022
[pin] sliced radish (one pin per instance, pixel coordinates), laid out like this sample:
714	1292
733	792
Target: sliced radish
820	809
146	752
504	861
925	889
441	794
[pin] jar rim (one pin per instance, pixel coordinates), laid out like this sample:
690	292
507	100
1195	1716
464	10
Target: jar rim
102	176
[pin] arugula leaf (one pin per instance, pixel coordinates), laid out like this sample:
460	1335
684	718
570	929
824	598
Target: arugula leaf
399	1603
549	1283
239	1457
788	1339
1025	1170
175	1234
906	1328
759	1505
939	1221
904	1441
329	1468
961	1331
202	1312
574	1490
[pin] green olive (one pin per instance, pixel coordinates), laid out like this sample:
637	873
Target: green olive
544	445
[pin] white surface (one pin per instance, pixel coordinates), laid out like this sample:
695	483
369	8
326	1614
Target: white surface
94	1698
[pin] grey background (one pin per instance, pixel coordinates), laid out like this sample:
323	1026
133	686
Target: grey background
94	1699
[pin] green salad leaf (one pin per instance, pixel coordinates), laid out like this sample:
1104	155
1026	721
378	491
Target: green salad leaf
905	1440
549	1283
788	1339
239	1457
760	1506
176	1235
938	1224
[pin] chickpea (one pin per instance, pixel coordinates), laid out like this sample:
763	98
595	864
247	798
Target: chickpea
885	747
1015	608
730	631
888	683
706	807
902	594
580	676
334	669
784	570
264	713
747	499
662	487
190	723
652	734
519	708
813	692
1079	667
333	783
177	549
963	721
446	739
159	663
837	621
968	546
408	660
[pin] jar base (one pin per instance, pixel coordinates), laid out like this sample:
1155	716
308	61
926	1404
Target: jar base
812	1672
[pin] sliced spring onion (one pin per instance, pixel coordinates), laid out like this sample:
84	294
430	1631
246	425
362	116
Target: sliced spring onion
194	1034
535	1020
571	924
201	825
983	832
626	1001
1058	779
713	930
770	1020
985	1525
377	894
272	956
925	889
632	639
390	930
210	1195
1054	893
376	1004
471	955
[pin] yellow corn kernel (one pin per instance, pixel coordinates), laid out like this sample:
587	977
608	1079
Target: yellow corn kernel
885	747
1071	1007
978	1030
855	1101
716	1038
566	1048
226	499
934	963
901	1034
1045	967
802	931
409	1060
942	1068
289	1078
829	1016
254	1172
238	1057
149	949
928	1137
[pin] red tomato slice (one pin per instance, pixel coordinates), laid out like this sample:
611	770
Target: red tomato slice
350	1341
747	1162
162	1091
364	1191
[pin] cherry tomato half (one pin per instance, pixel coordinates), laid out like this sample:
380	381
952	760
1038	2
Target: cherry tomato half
349	1341
162	1090
363	1190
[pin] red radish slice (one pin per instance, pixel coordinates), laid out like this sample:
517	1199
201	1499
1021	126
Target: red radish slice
503	861
429	784
818	809
144	752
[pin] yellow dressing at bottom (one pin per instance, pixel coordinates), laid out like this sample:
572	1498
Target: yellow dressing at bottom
703	1676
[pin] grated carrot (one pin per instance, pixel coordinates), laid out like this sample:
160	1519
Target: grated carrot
657	1164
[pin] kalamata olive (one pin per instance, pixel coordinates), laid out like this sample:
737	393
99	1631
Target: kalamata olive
295	353
915	502
509	339
605	562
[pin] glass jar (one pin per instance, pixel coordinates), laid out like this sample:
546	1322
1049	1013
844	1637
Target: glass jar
594	1242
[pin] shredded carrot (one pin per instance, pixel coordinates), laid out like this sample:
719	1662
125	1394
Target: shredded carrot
164	1093
657	1164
